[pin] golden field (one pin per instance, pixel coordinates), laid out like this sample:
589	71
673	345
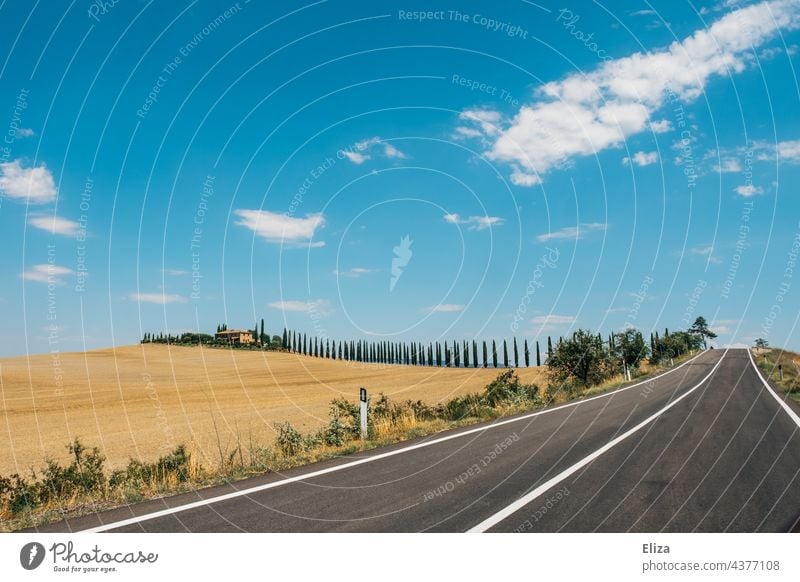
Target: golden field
142	401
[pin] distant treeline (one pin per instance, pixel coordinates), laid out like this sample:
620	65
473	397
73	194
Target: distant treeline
628	346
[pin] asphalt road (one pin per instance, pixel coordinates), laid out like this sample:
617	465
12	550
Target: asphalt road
706	447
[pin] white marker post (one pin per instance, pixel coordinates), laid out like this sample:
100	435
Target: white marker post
363	398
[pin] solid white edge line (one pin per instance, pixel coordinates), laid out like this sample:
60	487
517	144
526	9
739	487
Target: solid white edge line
507	511
792	414
272	485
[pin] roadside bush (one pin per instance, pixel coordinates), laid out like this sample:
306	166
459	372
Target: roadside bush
289	440
508	389
136	474
83	476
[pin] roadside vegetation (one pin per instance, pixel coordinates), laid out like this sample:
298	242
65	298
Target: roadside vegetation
782	367
579	365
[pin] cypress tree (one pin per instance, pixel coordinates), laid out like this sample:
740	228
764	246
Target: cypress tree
285	337
516	354
485	355
549	347
505	354
466	355
527	354
494	353
474	354
456	354
538	355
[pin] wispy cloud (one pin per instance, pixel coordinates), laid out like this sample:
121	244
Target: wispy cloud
474	222
47	273
320	306
748	190
158	298
728	166
641	159
548	323
35	185
55	225
444	308
174	272
282	228
573	232
364	150
706	251
585	113
354	273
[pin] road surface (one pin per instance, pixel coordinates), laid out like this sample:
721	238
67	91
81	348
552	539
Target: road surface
706	447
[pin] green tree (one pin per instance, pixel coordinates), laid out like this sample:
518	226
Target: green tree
630	347
516	354
527	354
505	354
700	328
538	355
485	355
581	359
761	343
494	353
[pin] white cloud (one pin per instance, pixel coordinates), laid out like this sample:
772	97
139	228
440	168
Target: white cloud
662	126
47	273
520	178
319	306
158	298
728	166
707	252
583	114
282	228
642	158
547	323
474	222
364	150
572	232
392	152
353	273
643	13
748	190
55	225
174	272
444	308
24	132
355	157
789	151
36	185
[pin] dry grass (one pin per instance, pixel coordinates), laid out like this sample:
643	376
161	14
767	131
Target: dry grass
142	401
769	360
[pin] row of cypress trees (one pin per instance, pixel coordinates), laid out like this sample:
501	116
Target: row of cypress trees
455	354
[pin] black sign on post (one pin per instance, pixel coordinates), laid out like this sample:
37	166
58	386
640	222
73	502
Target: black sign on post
363	395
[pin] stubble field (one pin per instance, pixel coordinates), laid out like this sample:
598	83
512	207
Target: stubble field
141	401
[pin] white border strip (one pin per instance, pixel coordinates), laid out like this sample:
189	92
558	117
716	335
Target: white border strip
272	485
792	414
493	520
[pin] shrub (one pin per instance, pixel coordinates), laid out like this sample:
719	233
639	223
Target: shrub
289	440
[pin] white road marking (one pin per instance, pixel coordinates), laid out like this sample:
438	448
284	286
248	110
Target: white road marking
792	414
507	511
288	480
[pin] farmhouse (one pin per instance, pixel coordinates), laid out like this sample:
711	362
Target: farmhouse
235	336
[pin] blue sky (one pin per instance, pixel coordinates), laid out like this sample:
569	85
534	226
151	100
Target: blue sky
401	170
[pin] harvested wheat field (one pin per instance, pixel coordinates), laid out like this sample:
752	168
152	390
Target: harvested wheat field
141	401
